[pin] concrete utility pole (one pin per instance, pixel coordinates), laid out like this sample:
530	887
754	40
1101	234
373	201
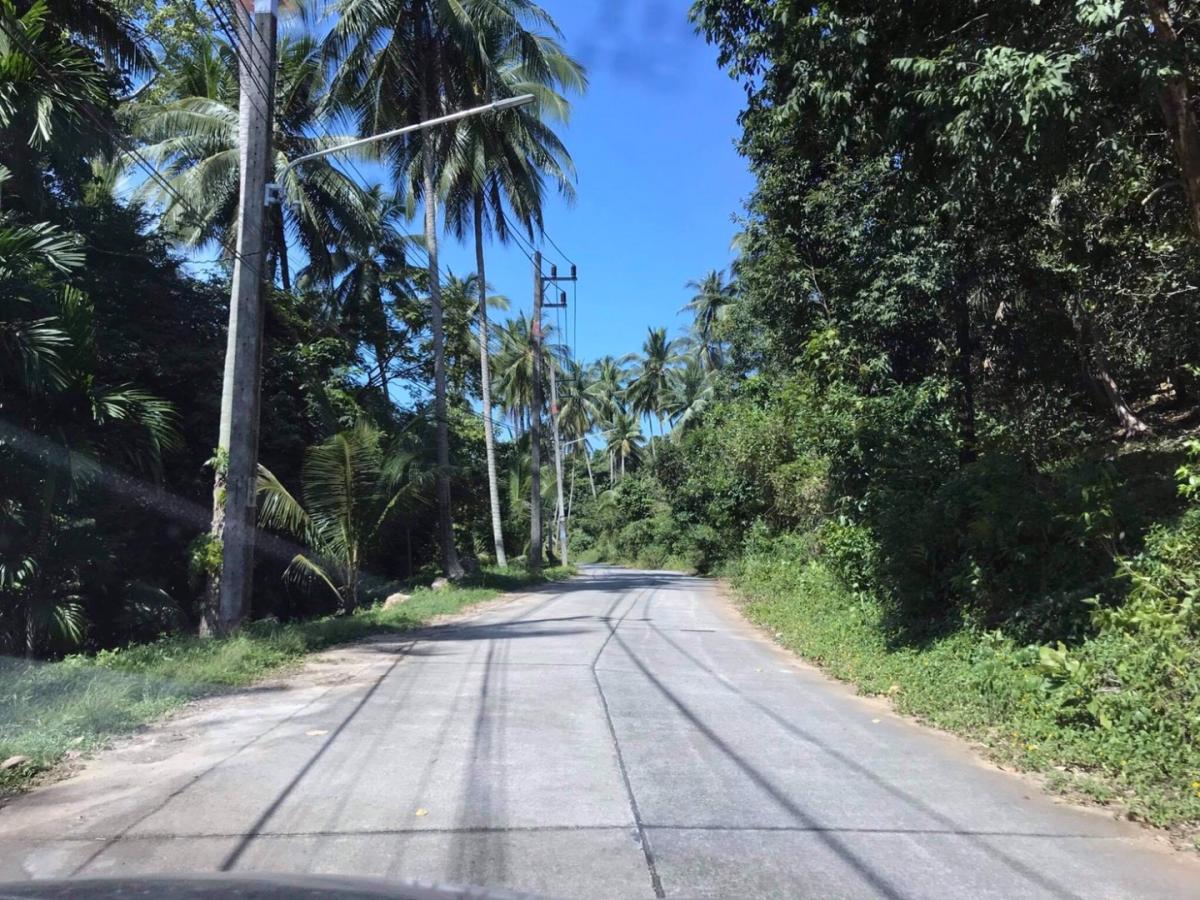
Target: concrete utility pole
235	484
561	517
558	472
535	423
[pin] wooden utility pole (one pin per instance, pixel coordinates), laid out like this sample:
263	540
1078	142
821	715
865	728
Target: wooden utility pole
535	423
228	591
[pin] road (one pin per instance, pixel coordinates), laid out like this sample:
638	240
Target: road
625	734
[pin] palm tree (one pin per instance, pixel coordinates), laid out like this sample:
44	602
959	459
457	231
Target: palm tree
400	62
689	392
513	373
513	376
624	437
352	482
709	304
608	385
648	389
577	411
506	157
577	403
104	26
191	134
369	287
52	89
460	302
608	393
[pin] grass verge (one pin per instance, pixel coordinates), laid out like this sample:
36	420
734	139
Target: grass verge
1030	708
51	709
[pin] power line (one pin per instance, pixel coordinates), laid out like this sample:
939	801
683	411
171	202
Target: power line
429	391
253	60
568	259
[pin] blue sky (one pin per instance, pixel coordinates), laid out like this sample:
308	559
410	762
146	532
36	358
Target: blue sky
659	177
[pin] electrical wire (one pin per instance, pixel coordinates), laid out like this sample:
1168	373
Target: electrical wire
253	59
478	415
568	259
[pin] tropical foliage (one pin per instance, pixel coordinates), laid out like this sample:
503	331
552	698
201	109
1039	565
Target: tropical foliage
119	131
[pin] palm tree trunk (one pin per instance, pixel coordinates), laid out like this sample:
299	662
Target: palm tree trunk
485	374
383	375
587	457
450	564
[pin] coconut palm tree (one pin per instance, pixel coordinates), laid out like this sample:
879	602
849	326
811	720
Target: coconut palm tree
710	301
577	403
398	62
513	372
513	375
505	158
689	392
460	300
608	393
577	411
353	482
647	391
368	283
190	132
624	438
54	91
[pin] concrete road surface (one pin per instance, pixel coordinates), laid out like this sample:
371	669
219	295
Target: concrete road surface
622	735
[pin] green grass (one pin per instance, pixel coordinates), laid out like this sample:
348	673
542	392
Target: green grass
48	710
985	686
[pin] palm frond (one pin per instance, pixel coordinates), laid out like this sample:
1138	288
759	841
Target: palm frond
277	507
304	570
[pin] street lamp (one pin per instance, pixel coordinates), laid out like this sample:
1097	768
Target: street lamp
275	192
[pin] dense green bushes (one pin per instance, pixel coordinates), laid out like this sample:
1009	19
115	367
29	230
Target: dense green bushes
1114	714
1048	610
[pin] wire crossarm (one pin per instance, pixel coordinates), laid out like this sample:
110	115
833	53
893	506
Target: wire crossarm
553	278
